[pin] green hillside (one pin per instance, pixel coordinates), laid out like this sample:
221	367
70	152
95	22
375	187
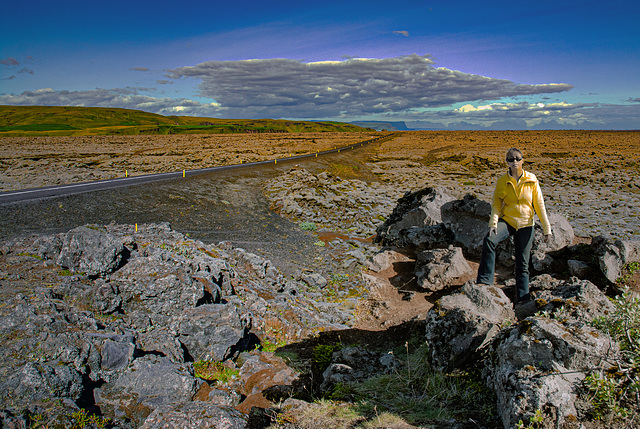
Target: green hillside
83	121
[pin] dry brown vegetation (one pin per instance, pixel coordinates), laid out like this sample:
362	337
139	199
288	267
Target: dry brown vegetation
591	177
29	162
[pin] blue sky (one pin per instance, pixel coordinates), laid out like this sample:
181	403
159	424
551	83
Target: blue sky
433	64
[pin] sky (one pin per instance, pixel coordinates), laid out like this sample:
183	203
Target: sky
432	64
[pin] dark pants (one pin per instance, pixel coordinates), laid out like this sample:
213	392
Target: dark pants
523	239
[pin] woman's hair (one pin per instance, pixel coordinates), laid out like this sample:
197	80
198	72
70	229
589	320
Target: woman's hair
514	152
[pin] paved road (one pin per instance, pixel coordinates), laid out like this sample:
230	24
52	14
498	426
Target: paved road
212	205
25	195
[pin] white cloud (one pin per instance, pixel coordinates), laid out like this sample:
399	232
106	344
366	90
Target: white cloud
560	115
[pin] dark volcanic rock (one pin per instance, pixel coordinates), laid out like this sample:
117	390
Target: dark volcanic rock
460	324
210	332
414	210
149	383
437	269
91	251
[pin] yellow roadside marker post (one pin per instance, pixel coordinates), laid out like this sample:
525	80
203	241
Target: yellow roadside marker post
184	172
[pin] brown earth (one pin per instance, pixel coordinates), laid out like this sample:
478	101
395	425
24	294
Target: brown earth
31	162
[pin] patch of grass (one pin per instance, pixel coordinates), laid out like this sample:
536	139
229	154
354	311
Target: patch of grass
627	272
214	371
72	120
31	255
535	421
415	394
38	127
269	346
82	419
345	171
66	273
420	394
338	279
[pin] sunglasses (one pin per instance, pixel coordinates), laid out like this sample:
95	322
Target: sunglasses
511	159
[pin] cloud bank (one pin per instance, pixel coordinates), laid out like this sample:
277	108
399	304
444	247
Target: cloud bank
126	98
344	89
404	88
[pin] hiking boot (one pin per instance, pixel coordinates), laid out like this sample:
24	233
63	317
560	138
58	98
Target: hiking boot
525	309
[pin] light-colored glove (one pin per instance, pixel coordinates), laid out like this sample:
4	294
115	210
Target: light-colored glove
493	231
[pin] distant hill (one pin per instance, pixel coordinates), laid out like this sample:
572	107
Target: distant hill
379	125
70	121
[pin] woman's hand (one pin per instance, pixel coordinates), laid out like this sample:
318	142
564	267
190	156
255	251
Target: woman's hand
493	231
547	239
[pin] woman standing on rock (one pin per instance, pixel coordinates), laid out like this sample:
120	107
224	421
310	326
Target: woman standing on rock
515	200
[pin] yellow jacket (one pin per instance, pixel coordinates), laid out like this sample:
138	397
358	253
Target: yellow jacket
516	201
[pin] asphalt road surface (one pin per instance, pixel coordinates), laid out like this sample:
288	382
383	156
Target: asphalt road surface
212	205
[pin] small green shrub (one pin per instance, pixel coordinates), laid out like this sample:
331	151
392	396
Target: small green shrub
321	357
82	419
615	392
338	279
308	226
535	421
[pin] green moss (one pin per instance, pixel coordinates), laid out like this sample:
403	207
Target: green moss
321	357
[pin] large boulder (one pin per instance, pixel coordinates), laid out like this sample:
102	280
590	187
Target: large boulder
150	382
427	237
461	324
109	355
414	209
440	268
195	415
561	236
37	381
91	251
265	377
540	363
155	285
580	300
614	254
210	332
467	219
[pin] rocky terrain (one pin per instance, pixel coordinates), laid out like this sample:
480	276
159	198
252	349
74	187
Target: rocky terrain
118	326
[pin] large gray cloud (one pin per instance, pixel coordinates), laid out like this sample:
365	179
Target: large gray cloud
126	98
350	88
